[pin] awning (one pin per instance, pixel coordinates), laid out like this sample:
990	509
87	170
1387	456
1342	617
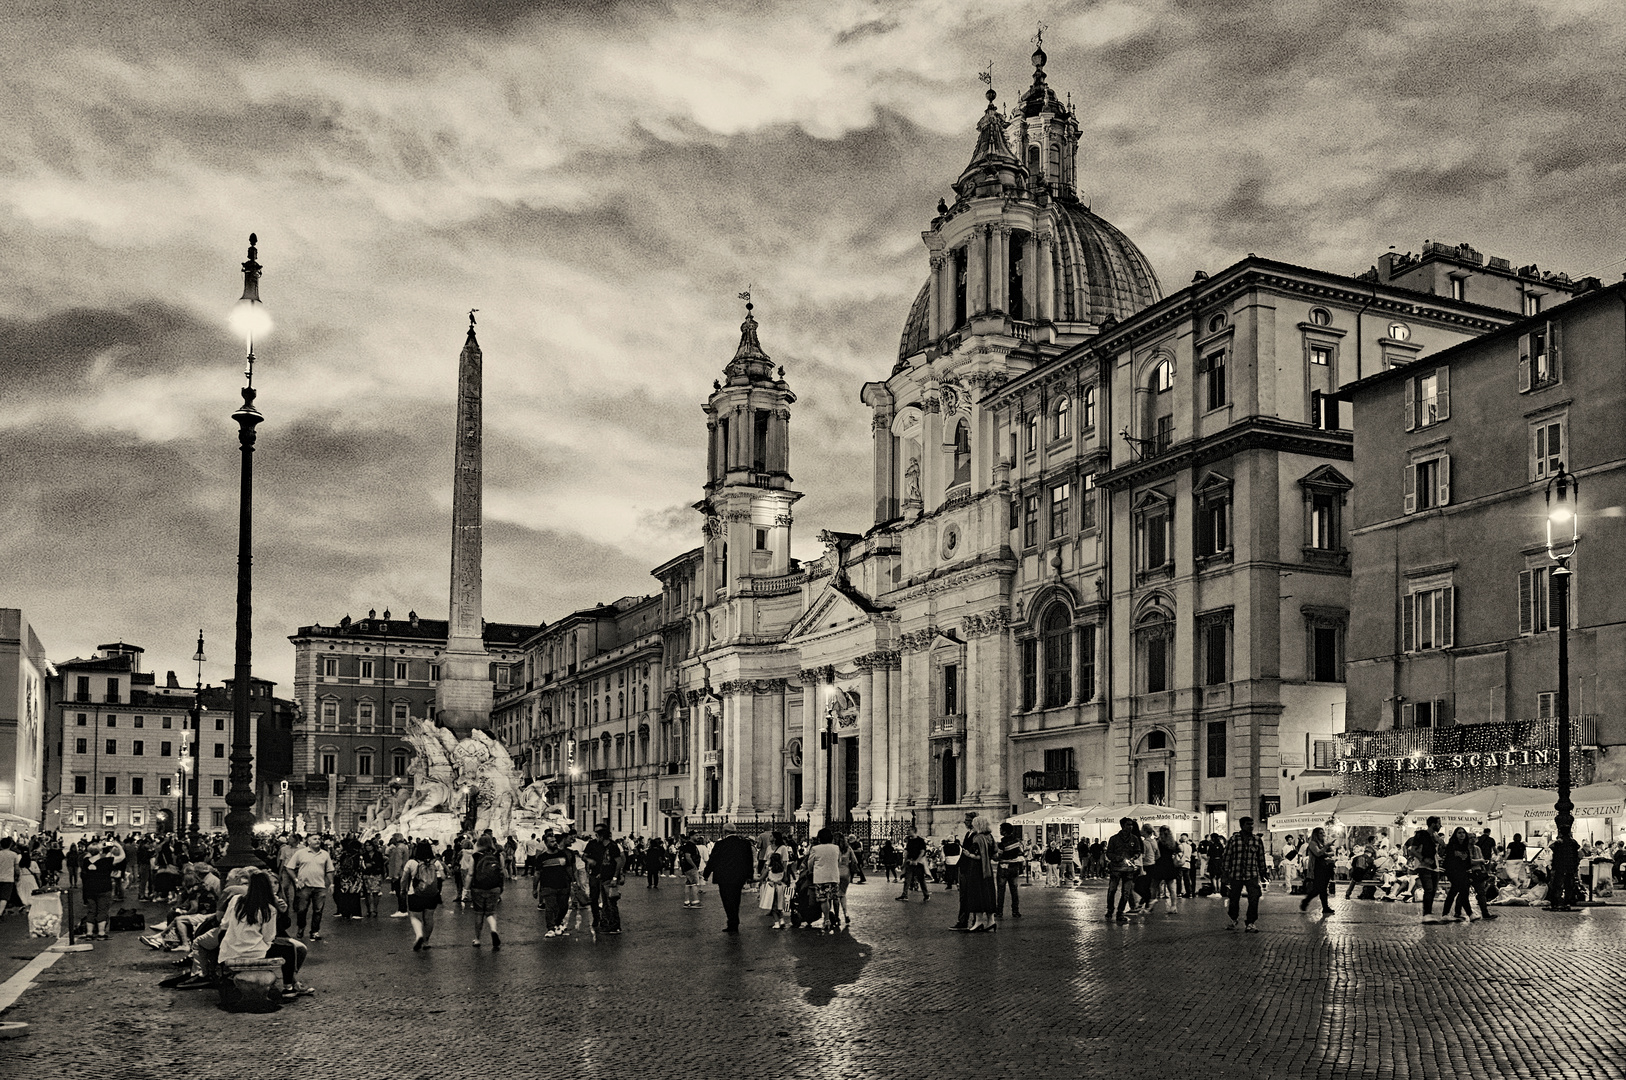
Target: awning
1486	804
1141	812
1319	814
1389	810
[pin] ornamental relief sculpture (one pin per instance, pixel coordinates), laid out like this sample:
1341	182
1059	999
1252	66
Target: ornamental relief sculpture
917	640
982	624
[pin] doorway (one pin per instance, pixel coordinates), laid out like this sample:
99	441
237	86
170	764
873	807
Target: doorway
949	788
849	777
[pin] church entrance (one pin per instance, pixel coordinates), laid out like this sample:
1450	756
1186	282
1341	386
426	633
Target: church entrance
849	777
948	790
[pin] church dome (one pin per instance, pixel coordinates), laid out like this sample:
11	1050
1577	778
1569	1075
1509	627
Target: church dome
1098	271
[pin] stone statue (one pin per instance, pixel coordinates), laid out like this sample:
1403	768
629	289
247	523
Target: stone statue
486	771
433	772
911	480
299	824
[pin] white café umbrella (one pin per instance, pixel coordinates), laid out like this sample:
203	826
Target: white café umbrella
1035	817
1318	814
1141	812
1387	810
1477	807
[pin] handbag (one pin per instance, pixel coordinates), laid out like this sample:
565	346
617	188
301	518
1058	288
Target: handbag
765	893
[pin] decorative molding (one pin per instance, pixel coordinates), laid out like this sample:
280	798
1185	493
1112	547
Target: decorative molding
737	515
711	528
881	421
781	414
917	640
931	405
983	624
783	520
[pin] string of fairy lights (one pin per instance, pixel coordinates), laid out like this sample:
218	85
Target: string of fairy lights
1458	759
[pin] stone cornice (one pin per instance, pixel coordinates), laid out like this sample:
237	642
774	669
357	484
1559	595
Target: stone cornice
1253	433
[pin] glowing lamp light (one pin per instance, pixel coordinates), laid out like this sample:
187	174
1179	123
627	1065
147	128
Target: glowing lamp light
250	319
1563	517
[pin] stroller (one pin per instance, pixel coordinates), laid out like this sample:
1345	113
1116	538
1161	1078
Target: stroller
804	903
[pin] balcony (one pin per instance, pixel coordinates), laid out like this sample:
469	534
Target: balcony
945	727
598	774
1060	780
711	758
112	697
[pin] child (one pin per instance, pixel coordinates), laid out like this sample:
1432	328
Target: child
781	893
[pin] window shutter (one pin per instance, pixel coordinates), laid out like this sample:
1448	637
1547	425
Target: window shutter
1411	403
1448	617
1408	716
1527	603
1445	713
1443	471
1332	411
1524	363
1317	409
1443	374
1411	489
1408	621
1541	450
1555	354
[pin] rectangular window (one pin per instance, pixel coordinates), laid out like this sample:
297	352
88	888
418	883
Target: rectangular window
138	748
1324	412
1214	525
82	688
330	764
1423	714
1058	760
166	723
1061	501
400	671
330	667
1428	619
1033	433
1536	612
1459	288
1428	398
1217	739
141	721
1164	438
220	749
165	787
399	713
364	714
112	689
1324	521
434	672
81	785
364	764
330	713
112	747
110	785
951	689
80	720
79	746
1428	483
218	816
1546	705
398	765
1030	522
220	723
1214	367
1532	304
1154	539
1546	448
1321	355
1216	652
1323	754
762	539
1086	503
366	669
219	788
759	456
1157	663
1326	654
1086	664
164	749
1030	674
112	721
1539	358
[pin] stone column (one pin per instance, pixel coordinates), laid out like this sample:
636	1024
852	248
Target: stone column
739	750
777	721
1045	292
885	497
914	729
812	750
977	271
933	478
866	731
999	282
880	748
988	654
934	299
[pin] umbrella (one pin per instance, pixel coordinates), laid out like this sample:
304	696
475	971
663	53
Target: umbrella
1476	807
1319	813
1034	817
1141	812
1599	800
1385	811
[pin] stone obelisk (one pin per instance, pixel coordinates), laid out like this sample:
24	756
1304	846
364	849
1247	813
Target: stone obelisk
463	697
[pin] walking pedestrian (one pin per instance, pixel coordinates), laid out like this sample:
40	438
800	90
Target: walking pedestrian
1187	863
486	881
1012	859
395	861
1458	859
554	869
1423	857
1244	869
1318	871
1124	854
424	875
964	921
731	865
610	873
824	860
309	872
654	859
689	867
979	861
1164	873
914	865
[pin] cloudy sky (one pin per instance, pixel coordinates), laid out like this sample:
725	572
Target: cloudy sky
600	181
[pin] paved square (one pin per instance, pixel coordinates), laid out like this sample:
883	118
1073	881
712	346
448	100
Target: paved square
1059	992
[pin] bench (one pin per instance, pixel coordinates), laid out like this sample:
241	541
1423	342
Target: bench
252	985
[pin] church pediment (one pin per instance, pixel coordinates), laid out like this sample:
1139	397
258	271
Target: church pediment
831	609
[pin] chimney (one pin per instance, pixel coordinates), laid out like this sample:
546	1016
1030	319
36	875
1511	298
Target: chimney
172	682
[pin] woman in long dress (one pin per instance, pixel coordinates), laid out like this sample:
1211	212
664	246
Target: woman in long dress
979	862
348	883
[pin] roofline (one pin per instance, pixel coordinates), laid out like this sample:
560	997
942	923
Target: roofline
1347	391
694	552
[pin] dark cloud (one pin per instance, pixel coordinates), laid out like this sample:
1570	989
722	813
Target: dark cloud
62	349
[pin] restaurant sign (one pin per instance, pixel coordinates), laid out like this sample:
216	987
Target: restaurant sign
1417	761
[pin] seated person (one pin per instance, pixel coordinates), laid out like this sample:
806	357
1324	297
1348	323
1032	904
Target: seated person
248	925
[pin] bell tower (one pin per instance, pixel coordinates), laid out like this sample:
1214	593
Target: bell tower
748	496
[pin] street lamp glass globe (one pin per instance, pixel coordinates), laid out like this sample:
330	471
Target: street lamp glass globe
250	320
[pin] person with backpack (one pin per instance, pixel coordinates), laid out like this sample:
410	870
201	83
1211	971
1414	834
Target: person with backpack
689	867
607	870
423	875
654	859
776	877
486	882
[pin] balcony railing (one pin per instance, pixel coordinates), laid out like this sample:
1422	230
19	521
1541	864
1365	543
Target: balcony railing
945	726
1059	780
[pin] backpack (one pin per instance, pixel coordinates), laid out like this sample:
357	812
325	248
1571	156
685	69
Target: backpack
776	863
488	873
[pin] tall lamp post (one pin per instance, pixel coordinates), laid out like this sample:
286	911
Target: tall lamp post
251	321
197	735
1563	535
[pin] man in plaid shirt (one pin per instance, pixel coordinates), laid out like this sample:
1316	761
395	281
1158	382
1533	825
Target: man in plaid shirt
1244	869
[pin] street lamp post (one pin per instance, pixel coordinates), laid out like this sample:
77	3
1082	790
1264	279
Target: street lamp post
1563	497
197	735
250	319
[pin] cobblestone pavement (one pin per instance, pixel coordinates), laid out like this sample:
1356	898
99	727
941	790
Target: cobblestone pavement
1060	992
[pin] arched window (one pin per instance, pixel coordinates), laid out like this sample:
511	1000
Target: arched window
620	704
959	286
1057	631
1086	418
1163	375
1055	163
1061	421
1016	291
1033	157
962	454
